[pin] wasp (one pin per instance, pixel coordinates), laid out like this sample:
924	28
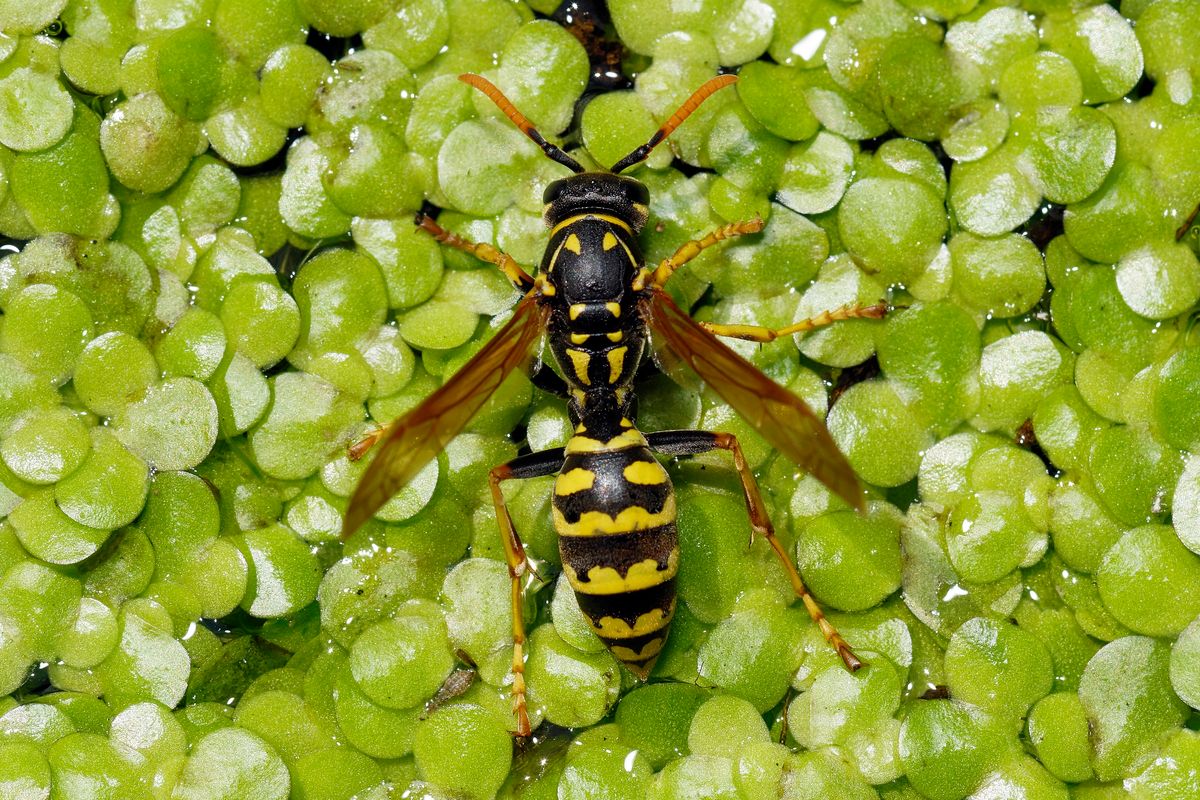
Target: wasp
613	506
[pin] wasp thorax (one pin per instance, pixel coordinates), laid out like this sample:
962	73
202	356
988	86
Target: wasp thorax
599	193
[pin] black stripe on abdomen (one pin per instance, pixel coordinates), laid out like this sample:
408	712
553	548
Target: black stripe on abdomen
630	605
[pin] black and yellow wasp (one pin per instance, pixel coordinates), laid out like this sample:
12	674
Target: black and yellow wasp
613	505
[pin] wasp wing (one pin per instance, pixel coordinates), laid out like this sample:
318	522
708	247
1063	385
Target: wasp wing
782	418
412	440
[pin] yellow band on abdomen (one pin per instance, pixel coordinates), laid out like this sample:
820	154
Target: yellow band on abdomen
630	518
606	580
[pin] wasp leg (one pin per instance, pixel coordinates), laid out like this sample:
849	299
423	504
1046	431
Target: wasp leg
680	443
689	250
757	333
533	465
484	252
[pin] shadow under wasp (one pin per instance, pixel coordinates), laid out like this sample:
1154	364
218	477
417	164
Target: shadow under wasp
613	505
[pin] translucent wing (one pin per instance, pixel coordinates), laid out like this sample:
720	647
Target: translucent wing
412	440
782	418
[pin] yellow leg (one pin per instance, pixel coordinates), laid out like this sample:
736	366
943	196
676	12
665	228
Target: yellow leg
760	522
531	466
695	442
757	333
514	554
690	250
484	252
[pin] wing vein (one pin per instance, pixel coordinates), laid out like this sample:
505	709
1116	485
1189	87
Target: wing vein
782	418
417	437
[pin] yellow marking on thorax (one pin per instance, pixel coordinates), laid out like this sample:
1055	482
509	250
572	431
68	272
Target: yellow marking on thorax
630	518
647	473
626	422
615	628
628	253
575	480
609	242
625	439
554	258
616	363
581	338
578	308
605	217
651	648
580	360
642	575
572	244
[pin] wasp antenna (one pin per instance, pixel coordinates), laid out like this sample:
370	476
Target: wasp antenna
675	120
526	127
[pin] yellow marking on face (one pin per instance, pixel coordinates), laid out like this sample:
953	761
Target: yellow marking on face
651	648
620	223
578	396
575	480
615	336
630	518
613	308
580	338
609	242
653	620
643	575
580	360
616	363
583	444
572	244
626	422
646	473
576	309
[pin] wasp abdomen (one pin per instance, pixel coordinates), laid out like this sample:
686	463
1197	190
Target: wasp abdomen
614	509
